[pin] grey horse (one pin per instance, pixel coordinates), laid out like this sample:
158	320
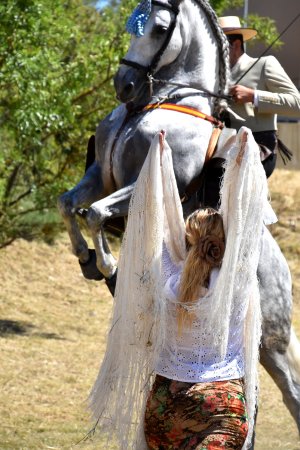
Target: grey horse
181	59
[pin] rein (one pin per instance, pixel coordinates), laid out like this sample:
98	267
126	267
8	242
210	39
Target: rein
193	86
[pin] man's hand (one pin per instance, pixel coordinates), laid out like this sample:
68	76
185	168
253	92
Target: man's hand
242	94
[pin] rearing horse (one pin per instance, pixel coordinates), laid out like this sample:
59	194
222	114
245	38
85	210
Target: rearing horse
180	60
123	138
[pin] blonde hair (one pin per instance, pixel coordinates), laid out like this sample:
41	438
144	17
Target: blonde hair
205	240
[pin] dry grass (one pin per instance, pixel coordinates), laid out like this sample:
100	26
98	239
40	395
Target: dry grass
53	325
52	329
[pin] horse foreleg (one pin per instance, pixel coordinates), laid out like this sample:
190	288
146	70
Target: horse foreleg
87	191
115	205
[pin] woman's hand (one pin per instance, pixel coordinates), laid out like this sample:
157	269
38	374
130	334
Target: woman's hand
243	142
162	136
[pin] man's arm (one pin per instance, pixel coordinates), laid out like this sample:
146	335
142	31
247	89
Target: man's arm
282	96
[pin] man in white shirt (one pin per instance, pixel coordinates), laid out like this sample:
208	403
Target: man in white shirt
261	89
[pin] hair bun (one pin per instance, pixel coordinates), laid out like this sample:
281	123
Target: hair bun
211	249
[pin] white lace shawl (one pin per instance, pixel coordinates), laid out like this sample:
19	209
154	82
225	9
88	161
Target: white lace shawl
136	335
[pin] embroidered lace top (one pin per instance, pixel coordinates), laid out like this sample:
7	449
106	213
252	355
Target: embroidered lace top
187	357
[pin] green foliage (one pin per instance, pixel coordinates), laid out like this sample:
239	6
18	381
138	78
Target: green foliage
266	27
221	5
57	60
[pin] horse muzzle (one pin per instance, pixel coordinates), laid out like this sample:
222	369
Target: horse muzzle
129	84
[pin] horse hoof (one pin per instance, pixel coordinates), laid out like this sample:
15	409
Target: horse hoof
89	269
111	282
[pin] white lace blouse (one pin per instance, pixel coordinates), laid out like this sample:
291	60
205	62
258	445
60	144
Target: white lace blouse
187	357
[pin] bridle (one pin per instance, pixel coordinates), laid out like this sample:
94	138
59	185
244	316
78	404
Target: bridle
151	68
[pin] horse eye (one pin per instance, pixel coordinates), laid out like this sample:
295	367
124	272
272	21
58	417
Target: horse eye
159	30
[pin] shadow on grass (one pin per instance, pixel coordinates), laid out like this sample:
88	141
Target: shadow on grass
13	327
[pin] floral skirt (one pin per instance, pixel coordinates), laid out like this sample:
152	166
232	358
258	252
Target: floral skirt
202	416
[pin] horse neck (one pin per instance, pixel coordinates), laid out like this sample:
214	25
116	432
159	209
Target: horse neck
198	63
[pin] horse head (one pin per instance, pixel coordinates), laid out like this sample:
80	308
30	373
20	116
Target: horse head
179	43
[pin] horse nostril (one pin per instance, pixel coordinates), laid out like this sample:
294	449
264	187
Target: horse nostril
128	88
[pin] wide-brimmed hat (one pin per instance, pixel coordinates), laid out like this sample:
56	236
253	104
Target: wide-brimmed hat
232	25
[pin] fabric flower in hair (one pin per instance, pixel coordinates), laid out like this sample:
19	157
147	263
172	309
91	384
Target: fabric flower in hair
211	249
138	19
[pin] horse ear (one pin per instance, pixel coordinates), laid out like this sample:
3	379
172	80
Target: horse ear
175	3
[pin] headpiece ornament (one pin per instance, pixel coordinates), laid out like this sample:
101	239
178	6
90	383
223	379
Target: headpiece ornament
138	19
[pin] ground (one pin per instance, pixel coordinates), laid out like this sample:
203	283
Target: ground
53	325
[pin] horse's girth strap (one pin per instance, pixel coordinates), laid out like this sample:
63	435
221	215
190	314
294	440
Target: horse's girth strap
212	144
196	184
186	110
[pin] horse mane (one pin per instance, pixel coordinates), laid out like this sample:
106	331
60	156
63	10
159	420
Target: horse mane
223	48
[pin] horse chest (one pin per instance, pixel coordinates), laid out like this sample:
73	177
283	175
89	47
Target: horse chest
126	150
129	150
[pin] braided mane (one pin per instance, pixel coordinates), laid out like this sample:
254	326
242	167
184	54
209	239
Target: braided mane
223	48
